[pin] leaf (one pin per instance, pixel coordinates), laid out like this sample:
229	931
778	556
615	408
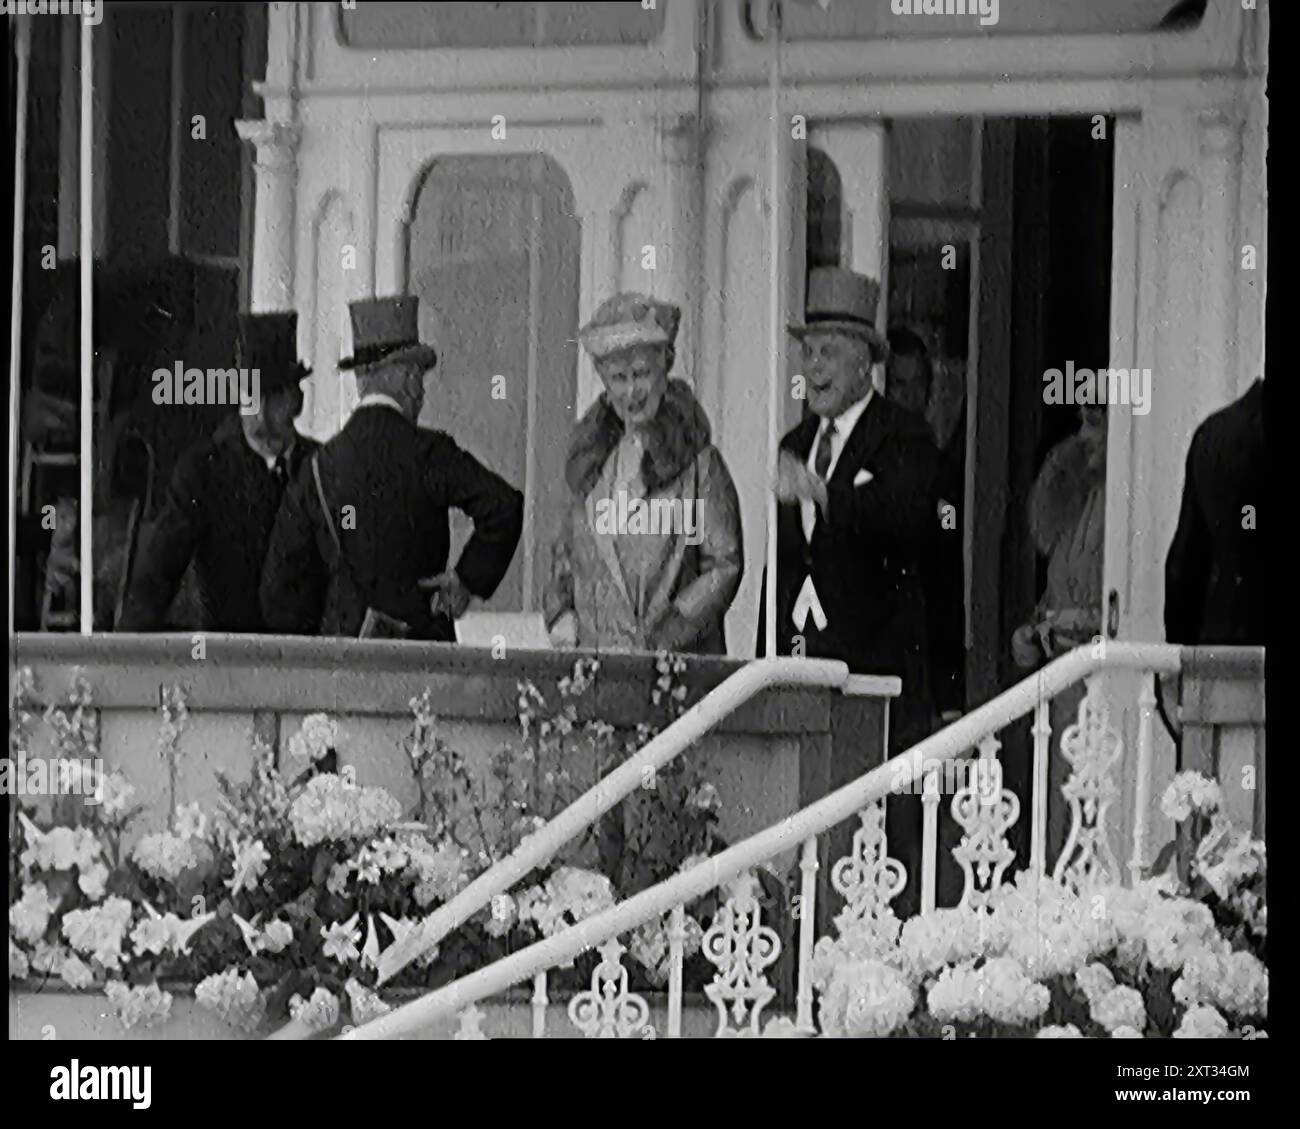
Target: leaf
1163	859
321	866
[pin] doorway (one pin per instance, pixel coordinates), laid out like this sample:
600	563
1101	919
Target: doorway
492	253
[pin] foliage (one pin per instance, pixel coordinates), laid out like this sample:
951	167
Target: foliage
279	901
1178	955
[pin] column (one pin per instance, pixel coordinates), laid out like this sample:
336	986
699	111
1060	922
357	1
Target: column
683	138
274	217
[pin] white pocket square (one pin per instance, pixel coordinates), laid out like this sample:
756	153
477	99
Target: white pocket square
862	477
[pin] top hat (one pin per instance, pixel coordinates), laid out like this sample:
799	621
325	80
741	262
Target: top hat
841	301
386	330
627	320
269	343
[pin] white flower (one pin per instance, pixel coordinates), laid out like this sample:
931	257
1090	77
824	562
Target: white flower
439	872
320	1013
1189	792
29	916
1202	1023
93	881
341	940
152	935
330	808
76	973
165	856
118	792
337	882
999	990
318	735
1069	1031
277	936
250	862
18	965
234	996
505	913
1094	981
145	1004
60	848
364	1002
191	823
1120	1007
48	958
931	941
99	930
705	797
866	999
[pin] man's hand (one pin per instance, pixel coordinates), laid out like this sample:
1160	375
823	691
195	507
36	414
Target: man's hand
450	596
1025	647
796	483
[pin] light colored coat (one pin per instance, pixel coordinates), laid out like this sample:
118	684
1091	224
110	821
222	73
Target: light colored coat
624	595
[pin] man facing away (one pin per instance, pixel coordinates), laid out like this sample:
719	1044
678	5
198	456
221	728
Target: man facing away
857	512
1214	574
224	494
363	536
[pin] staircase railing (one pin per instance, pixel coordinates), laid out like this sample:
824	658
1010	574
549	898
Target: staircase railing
537	849
742	947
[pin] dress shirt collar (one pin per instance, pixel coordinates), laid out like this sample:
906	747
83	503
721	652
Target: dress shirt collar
266	457
847	420
371	399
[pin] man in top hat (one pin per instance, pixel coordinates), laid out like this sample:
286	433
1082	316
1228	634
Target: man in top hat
364	534
224	494
856	487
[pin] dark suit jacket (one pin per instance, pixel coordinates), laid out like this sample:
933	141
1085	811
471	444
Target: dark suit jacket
400	481
1214	574
866	554
218	511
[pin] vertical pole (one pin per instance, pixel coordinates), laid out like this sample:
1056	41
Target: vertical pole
930	800
22	49
775	330
676	957
1142	799
85	512
539	1005
1038	812
807	930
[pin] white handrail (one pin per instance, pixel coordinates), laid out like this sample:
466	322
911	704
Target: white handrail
813	820
535	850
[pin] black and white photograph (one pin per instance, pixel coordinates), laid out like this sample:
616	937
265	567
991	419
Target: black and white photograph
647	520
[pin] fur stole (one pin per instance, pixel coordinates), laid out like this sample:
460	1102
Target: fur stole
1061	492
678	433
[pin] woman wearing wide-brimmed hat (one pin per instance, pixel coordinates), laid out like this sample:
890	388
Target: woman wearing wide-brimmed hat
649	556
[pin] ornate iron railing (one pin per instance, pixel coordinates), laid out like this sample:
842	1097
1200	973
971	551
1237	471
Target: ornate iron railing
742	947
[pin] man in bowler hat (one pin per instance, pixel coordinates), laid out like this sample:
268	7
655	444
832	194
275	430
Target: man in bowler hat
224	494
364	533
857	494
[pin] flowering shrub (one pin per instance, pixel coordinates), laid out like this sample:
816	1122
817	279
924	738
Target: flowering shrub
279	902
1165	958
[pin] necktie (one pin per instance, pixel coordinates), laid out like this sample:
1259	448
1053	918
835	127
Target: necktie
281	472
822	460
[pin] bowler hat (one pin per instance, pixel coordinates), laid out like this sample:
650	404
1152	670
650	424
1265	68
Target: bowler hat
386	330
269	343
627	320
841	301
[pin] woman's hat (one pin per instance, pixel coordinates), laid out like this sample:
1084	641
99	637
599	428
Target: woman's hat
627	320
269	343
841	301
386	330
